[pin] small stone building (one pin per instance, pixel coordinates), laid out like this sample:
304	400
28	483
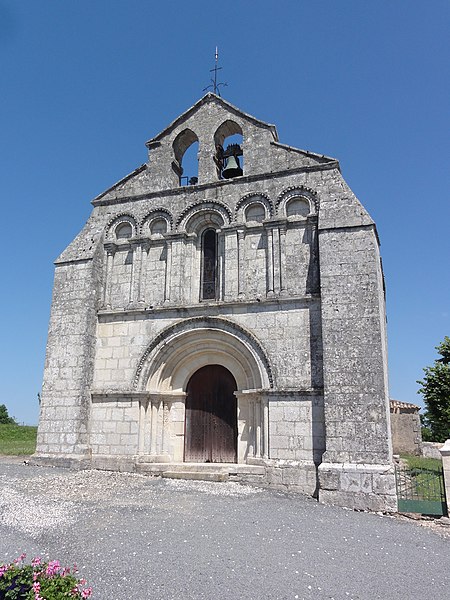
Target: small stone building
230	324
406	428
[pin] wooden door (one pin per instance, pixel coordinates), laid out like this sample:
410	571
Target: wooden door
211	416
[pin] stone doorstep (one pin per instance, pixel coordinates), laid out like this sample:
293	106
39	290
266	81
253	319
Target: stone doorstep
196	475
199	470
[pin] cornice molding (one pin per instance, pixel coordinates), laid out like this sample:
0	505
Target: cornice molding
214	184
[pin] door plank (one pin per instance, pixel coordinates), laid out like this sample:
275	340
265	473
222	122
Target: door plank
211	416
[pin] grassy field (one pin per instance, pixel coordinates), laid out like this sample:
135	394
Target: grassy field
420	462
17	439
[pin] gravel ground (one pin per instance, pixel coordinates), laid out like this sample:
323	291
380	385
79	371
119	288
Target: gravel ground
138	538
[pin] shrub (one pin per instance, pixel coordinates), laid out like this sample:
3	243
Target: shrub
40	581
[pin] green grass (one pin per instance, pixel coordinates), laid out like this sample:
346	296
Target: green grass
424	478
17	439
421	462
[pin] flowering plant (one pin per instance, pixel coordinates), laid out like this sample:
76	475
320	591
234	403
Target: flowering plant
40	581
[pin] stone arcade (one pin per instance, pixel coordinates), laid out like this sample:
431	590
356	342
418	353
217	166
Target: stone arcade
232	327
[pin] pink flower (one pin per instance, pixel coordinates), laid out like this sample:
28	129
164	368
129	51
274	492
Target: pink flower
3	569
19	559
36	590
86	593
36	561
52	568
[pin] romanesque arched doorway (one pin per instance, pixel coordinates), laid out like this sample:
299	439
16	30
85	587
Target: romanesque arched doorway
211	416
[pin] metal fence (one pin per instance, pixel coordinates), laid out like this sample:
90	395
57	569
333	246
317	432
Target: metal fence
421	490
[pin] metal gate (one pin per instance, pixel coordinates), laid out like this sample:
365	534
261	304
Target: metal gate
421	490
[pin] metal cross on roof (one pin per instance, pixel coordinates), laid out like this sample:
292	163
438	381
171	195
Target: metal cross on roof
214	85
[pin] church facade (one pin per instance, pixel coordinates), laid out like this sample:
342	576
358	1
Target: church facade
230	325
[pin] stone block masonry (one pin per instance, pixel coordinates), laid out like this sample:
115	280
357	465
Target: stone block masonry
234	321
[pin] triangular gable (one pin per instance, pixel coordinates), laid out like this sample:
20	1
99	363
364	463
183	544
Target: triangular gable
210	97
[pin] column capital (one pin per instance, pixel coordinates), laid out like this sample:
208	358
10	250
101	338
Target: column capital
110	247
167	396
136	243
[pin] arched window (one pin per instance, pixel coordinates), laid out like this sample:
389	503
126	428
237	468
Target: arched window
297	207
124	231
255	213
229	157
209	265
189	166
185	148
158	226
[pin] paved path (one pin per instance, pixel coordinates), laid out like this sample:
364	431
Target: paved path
137	538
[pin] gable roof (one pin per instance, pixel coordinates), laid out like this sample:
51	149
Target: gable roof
398	405
207	98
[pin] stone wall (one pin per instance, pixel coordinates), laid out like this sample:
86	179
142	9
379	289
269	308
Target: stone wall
69	364
432	450
297	318
405	428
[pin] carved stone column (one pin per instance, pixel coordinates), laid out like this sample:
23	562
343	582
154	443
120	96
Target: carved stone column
154	426
136	268
145	248
276	260
107	289
258	428
231	265
256	423
168	271
241	262
265	426
220	265
165	433
282	231
269	262
143	418
157	439
251	427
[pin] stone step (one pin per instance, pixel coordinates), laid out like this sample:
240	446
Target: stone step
196	475
202	471
228	468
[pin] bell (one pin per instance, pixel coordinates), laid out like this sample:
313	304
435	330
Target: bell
232	168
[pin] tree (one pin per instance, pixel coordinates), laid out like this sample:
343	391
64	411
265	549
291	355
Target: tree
436	393
5	419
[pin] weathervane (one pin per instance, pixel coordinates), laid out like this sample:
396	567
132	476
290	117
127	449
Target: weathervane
214	85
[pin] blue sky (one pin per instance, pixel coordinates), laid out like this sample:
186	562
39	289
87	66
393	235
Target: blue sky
86	83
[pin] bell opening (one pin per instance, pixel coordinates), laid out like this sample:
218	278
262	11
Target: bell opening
189	165
231	161
229	156
232	167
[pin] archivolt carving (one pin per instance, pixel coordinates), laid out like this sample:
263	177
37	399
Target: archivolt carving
182	142
202	206
225	130
251	350
250	199
157	213
117	220
294	191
